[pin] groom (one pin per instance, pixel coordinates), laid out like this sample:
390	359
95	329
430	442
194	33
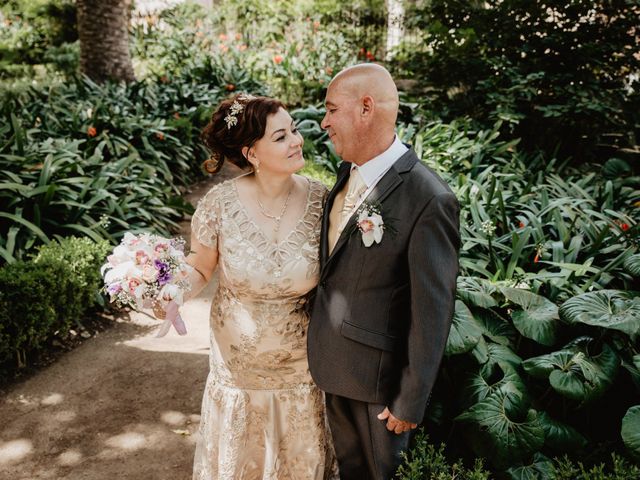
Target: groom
385	299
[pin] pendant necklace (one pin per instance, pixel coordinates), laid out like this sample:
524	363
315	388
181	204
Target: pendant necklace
276	218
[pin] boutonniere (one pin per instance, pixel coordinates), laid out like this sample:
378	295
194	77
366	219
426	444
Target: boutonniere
370	223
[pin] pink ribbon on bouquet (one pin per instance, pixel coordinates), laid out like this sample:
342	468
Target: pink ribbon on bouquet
172	318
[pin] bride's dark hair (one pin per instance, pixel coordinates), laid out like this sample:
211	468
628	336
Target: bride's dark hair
229	130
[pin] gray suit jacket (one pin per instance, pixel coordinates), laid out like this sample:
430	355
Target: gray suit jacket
381	315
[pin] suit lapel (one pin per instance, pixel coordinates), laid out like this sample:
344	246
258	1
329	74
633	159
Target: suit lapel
343	176
387	184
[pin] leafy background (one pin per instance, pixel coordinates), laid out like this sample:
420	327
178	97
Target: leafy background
526	113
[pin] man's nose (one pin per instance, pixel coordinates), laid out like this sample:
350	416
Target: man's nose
324	124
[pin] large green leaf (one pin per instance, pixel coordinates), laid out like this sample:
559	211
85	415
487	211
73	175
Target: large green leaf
490	379
573	373
476	291
501	435
538	319
465	332
631	430
611	309
502	354
560	436
632	265
495	328
540	468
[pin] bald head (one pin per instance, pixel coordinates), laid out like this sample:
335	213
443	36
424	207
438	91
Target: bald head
370	79
362	108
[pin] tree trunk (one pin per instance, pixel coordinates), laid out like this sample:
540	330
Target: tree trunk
103	28
395	26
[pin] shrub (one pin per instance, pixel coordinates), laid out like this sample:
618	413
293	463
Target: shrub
44	297
425	461
541	67
82	256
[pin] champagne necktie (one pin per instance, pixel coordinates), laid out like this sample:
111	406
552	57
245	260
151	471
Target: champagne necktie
344	204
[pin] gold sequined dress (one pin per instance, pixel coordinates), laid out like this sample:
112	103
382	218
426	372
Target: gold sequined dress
262	416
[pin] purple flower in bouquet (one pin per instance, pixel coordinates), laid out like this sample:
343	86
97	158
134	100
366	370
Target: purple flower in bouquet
164	272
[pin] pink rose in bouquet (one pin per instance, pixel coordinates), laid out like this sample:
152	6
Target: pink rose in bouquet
145	270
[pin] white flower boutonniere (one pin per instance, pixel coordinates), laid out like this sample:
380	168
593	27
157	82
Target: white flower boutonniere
370	224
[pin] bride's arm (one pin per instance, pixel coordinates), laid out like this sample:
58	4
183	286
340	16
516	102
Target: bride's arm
204	261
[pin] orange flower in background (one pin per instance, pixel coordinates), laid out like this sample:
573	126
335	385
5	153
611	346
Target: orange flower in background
176	115
91	131
277	59
230	87
370	56
199	33
223	37
238	36
160	135
362	51
329	70
242	47
522	225
536	259
223	47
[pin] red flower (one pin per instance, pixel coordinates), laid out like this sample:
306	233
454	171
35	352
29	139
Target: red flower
362	51
238	36
92	132
624	227
370	56
230	87
536	259
329	70
222	37
277	59
160	135
522	225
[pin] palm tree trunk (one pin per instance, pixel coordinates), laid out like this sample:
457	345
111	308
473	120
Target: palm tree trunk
103	28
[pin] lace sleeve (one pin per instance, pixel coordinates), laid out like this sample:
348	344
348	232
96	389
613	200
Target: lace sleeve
206	219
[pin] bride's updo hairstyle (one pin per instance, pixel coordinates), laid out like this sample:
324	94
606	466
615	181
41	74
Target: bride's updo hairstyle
239	121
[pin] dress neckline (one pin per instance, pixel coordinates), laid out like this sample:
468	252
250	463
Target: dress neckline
257	227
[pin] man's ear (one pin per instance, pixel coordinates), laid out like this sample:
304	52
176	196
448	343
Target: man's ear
367	105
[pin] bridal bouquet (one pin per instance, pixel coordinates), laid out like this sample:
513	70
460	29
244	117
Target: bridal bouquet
148	270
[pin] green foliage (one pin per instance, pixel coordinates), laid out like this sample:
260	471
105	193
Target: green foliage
290	55
427	461
99	160
81	255
40	32
541	67
44	297
620	469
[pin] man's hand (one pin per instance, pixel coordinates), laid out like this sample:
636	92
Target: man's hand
395	424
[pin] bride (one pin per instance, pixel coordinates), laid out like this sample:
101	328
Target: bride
262	416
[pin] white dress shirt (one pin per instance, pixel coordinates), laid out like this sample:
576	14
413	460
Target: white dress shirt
372	171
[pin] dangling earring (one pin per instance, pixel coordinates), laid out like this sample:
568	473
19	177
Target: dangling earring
256	168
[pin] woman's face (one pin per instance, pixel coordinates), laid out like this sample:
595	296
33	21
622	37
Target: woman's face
280	149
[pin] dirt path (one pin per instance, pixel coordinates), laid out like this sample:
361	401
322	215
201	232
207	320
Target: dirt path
123	405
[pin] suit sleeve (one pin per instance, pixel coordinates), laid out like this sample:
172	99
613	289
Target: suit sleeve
433	267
